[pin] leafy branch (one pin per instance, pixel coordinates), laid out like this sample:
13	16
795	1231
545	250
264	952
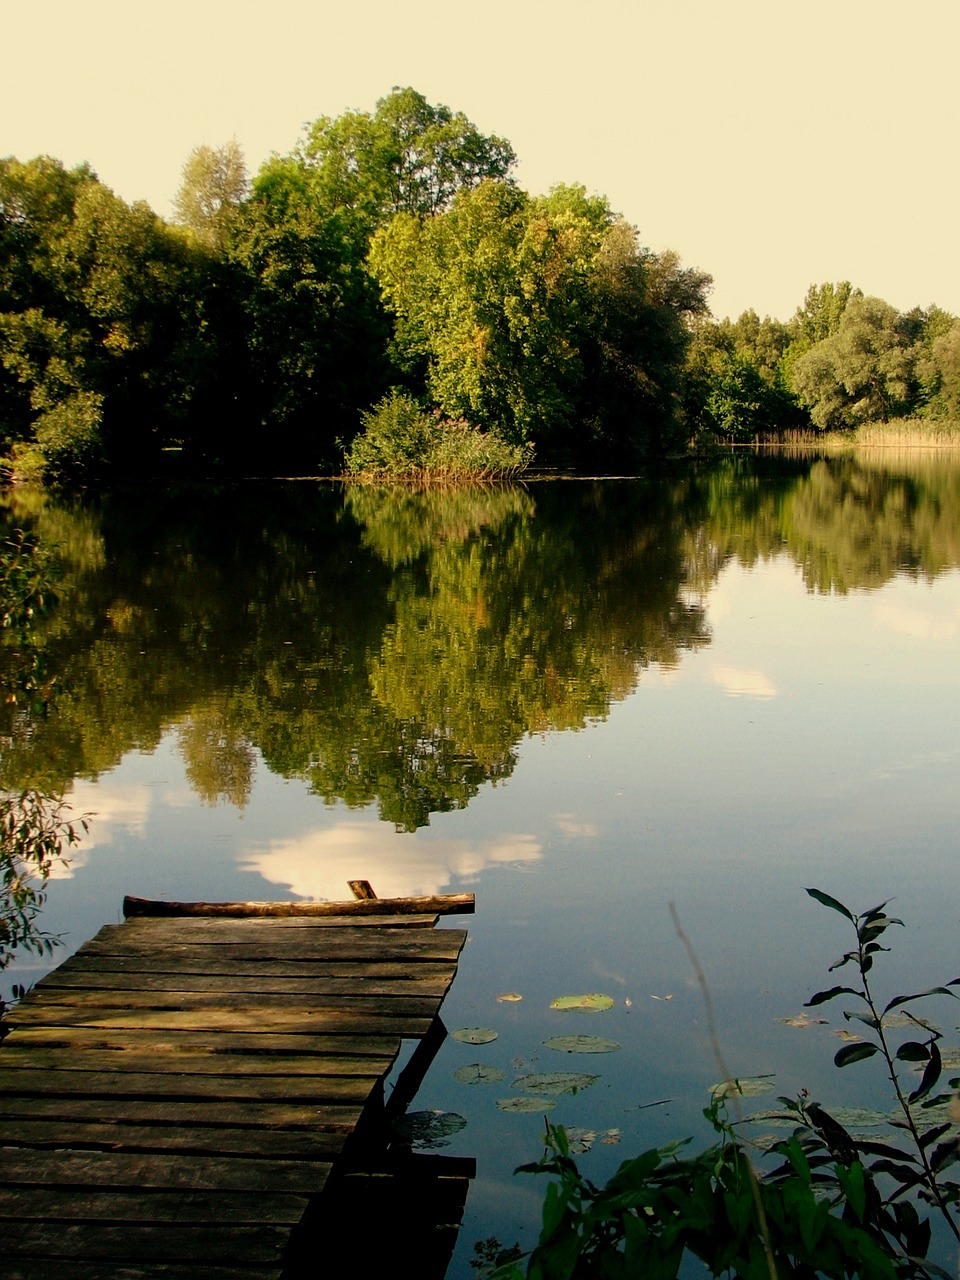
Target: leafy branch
920	1171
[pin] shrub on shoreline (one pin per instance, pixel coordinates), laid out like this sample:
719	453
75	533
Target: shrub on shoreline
401	441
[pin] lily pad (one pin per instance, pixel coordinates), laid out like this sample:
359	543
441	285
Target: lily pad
581	1044
580	1140
743	1087
428	1130
858	1117
592	1003
474	1035
901	1021
555	1082
526	1104
478	1073
509	997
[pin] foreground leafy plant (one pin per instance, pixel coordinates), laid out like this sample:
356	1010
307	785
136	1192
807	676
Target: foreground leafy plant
834	1206
921	1167
35	834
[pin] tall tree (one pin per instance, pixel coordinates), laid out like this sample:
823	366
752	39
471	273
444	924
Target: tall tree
213	188
862	372
541	317
408	157
101	311
316	330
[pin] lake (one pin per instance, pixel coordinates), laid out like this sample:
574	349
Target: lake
583	701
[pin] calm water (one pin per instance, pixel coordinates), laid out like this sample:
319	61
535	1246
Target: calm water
582	701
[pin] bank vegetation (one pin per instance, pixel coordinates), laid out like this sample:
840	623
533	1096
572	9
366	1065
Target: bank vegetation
276	323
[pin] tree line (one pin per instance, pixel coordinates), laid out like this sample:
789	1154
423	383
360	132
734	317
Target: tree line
392	259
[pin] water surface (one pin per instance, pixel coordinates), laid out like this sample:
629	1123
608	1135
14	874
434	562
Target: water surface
583	701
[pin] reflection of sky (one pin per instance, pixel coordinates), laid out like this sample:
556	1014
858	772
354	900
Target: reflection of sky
319	863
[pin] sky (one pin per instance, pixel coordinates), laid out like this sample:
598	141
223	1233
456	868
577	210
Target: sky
772	145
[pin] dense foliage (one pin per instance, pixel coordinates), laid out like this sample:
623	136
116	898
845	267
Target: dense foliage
394	249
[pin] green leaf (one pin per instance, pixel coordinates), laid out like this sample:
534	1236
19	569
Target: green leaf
525	1104
931	1074
555	1082
920	995
852	1184
478	1073
946	1154
930	1137
592	1003
474	1035
858	1117
744	1086
866	1018
854	1053
913	1051
832	903
822	997
581	1044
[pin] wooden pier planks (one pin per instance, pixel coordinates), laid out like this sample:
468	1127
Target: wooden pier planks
174	1096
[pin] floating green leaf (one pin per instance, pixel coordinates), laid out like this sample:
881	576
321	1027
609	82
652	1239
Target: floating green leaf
555	1082
592	1003
478	1073
858	1117
509	997
899	1021
581	1044
474	1035
744	1086
428	1129
580	1140
526	1104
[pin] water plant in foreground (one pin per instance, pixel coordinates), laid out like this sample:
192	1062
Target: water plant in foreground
821	1202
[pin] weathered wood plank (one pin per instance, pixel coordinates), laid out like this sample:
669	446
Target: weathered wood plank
283	1144
182	1113
312	1088
277	937
65	1204
222	1044
90	1242
88	977
239	966
71	1269
440	904
30	1167
252	1002
44	1062
292	1021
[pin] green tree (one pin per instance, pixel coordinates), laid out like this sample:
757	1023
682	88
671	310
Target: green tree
213	188
862	372
103	322
316	330
542	318
409	157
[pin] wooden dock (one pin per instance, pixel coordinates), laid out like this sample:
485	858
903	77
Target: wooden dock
175	1097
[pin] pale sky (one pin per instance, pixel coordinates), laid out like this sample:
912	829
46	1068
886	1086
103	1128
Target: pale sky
773	145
